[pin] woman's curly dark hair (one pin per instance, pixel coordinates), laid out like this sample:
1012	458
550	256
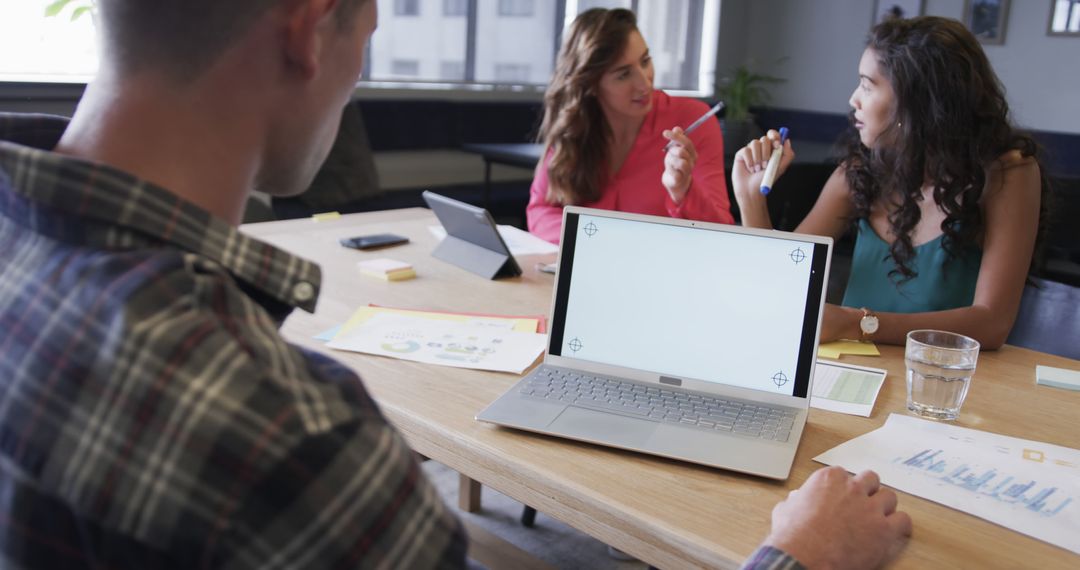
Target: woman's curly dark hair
950	124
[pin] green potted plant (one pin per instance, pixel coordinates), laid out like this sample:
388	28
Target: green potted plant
78	8
740	91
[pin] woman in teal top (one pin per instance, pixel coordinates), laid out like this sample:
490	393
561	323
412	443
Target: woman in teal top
942	282
946	196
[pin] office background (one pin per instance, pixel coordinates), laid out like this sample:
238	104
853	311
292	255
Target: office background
416	134
820	43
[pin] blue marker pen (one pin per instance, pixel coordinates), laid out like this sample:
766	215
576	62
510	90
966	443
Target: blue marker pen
774	163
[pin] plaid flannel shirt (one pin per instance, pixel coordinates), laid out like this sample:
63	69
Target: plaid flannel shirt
151	416
770	558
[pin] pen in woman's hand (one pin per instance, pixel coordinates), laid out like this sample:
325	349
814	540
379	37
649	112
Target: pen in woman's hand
774	163
715	109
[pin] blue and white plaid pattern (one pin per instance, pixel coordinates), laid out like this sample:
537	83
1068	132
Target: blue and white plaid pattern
769	558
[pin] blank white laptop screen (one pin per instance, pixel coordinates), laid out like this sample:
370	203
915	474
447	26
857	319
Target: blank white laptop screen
688	302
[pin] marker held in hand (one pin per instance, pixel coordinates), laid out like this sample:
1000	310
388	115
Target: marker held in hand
774	163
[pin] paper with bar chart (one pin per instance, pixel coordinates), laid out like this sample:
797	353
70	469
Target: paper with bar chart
846	388
1024	485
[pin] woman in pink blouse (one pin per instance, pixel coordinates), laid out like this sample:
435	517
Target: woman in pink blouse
605	128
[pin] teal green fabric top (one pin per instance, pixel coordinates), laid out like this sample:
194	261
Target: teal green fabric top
942	283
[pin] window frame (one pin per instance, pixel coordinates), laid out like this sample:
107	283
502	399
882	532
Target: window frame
450	13
704	70
1070	12
401	8
508	9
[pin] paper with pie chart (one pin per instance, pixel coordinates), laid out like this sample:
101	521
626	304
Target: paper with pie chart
458	344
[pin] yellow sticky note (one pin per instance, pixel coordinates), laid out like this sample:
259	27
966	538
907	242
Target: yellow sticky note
403	275
388	269
836	348
324	216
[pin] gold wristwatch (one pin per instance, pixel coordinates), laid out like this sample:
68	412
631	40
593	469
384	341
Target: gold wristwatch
868	324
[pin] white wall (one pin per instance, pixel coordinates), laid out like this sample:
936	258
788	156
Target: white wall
731	45
823	39
1041	73
819	42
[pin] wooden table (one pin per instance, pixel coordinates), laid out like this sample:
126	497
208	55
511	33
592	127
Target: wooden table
670	514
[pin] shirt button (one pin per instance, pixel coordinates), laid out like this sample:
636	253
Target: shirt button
303	292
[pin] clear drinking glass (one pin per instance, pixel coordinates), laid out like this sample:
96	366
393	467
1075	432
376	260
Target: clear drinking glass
939	369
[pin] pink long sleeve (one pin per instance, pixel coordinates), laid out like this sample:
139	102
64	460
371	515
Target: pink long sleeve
545	220
707	199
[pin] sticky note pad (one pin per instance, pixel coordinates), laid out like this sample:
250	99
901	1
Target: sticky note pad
857	348
1057	377
325	216
388	269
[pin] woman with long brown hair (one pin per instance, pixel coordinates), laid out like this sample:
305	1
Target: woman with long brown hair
944	193
605	128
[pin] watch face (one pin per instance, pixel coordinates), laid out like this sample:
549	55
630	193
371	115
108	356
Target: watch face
869	324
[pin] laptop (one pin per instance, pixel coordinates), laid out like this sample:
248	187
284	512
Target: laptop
472	239
687	340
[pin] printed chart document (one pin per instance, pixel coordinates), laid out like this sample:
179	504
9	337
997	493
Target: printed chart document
520	242
846	388
527	323
522	324
1027	486
477	345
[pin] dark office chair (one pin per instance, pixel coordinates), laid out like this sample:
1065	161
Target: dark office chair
1049	319
1060	258
346	182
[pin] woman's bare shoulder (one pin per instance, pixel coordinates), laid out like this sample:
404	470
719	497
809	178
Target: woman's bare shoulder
1013	171
1014	159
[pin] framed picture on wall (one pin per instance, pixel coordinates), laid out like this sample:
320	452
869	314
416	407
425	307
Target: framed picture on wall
1064	18
986	19
884	9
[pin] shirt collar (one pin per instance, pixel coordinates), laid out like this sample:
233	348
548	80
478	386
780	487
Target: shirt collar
130	211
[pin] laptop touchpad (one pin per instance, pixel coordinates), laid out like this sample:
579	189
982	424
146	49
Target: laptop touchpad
608	428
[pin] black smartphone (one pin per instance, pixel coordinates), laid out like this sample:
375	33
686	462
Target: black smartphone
373	241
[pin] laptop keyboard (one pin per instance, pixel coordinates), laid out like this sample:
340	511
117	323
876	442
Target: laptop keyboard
659	404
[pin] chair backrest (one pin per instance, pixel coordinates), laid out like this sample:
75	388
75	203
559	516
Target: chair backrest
1049	319
1060	258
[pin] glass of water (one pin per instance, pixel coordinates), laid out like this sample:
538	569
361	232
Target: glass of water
939	369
